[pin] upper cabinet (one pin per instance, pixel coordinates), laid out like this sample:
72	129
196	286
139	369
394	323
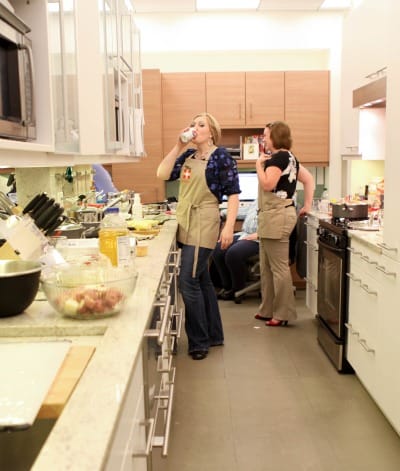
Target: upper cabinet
245	99
88	86
252	99
307	113
265	98
183	96
226	97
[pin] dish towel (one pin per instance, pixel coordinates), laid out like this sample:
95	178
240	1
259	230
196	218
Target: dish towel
138	123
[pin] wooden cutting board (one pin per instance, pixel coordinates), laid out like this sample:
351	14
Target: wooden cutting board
67	378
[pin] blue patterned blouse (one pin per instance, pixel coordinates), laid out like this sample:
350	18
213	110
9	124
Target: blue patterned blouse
221	172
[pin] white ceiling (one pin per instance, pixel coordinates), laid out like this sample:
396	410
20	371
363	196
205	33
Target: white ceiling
189	6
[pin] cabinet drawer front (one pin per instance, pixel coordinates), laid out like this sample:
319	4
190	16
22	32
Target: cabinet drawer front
363	362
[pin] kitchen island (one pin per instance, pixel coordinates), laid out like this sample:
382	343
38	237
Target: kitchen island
83	434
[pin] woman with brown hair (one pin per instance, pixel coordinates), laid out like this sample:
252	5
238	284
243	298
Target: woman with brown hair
278	174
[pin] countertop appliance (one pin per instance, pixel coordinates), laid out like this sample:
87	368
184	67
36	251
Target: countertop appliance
17	109
332	297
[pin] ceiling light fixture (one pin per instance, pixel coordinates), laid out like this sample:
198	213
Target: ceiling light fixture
227	4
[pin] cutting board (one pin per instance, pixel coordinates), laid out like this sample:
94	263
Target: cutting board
27	371
64	384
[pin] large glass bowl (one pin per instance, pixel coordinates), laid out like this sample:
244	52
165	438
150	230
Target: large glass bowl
92	292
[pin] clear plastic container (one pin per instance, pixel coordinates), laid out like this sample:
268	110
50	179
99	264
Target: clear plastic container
114	238
137	207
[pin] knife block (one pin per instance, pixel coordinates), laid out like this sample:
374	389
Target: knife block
26	239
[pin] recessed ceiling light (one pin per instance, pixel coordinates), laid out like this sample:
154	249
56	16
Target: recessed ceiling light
227	4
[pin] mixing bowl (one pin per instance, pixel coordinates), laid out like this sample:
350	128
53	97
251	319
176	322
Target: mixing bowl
19	284
90	292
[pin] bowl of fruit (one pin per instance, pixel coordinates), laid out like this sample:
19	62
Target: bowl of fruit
88	292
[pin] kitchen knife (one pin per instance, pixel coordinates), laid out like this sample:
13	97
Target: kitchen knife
41	200
40	210
48	216
54	218
32	203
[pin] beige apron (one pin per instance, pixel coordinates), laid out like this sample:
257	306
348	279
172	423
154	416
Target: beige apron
197	212
272	216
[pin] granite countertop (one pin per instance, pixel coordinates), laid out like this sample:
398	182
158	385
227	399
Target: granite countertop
83	432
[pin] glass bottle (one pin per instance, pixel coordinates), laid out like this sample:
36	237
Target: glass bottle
114	241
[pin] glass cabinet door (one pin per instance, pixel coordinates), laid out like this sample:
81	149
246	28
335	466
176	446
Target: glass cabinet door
62	43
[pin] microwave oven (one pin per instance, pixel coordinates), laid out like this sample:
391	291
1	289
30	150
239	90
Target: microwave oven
17	110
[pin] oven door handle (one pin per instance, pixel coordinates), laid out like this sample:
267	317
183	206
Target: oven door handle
329	247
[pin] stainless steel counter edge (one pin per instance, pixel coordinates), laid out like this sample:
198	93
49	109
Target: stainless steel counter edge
82	434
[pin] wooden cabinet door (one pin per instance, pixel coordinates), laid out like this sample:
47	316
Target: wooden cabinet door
226	97
183	96
265	97
307	113
141	176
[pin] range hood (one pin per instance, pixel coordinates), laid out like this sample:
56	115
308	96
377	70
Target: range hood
372	95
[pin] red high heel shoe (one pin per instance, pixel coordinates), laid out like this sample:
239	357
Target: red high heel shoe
276	323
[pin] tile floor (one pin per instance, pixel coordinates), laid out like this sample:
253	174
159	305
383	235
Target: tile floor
270	400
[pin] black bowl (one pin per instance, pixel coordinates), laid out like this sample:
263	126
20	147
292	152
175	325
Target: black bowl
19	284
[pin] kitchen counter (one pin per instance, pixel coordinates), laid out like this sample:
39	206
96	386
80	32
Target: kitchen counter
83	433
371	238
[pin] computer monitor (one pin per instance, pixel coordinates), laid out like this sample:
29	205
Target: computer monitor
248	182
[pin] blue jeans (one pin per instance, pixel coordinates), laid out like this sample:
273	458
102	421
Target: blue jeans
231	264
203	322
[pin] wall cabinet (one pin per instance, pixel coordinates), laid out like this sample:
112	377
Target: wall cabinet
88	78
307	113
243	102
245	99
265	98
226	97
183	96
373	347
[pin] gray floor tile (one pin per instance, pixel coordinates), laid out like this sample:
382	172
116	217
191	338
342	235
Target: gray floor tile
270	400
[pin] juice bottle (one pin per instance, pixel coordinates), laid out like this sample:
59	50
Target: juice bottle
114	238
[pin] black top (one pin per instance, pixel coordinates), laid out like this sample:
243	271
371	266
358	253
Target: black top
287	162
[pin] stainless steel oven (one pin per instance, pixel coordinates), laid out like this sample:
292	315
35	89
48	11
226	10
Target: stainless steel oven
332	298
17	110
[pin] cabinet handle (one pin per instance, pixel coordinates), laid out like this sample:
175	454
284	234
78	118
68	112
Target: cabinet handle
368	260
384	246
366	288
159	332
251	110
354	251
353	278
351	329
163	441
149	439
164	321
179	319
365	346
384	271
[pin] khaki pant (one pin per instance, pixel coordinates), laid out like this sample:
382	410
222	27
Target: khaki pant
276	280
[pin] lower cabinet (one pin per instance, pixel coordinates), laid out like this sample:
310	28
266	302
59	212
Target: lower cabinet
142	434
127	452
373	324
312	264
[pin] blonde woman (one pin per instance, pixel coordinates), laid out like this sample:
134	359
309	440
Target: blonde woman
206	173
